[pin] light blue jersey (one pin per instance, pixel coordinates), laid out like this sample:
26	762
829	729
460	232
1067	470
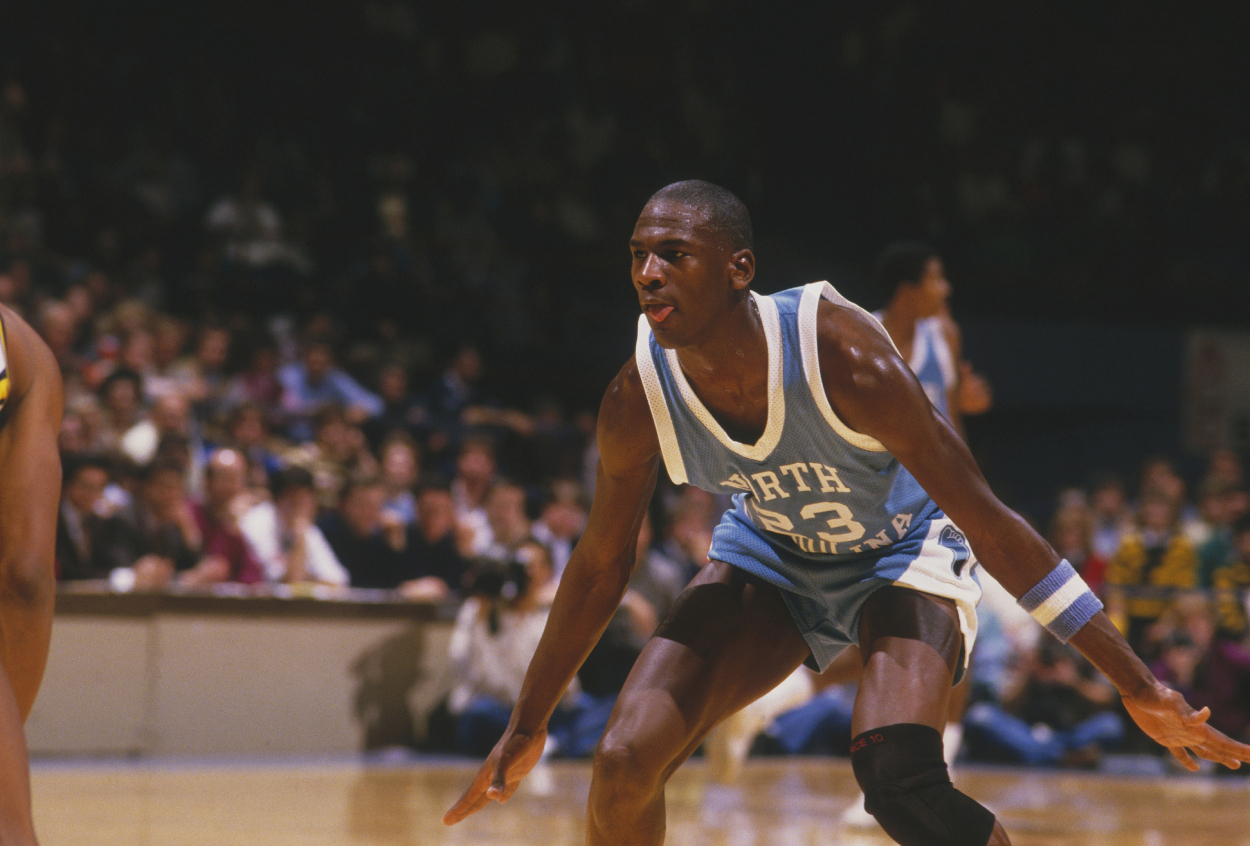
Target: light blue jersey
821	511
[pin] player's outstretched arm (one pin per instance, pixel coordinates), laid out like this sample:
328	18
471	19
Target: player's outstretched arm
591	588
875	393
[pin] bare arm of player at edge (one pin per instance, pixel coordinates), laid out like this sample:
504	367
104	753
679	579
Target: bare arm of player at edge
590	589
875	393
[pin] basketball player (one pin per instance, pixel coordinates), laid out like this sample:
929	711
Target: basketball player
801	404
30	490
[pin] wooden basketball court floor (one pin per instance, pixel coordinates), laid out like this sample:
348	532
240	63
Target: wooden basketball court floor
777	802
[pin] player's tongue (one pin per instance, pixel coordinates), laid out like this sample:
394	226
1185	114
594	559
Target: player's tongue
659	312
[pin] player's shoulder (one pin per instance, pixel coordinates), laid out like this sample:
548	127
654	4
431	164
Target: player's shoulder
625	426
855	351
27	359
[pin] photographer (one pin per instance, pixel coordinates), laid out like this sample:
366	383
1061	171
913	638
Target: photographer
496	634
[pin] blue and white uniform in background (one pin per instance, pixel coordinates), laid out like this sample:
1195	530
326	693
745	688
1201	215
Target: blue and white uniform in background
932	361
821	511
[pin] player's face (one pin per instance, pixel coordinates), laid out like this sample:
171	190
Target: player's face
934	287
681	271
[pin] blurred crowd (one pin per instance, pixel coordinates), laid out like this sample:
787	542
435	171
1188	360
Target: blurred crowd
309	350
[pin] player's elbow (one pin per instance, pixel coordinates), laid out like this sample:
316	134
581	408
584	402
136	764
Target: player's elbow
27	582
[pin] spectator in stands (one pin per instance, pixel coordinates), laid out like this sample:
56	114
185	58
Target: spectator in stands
508	519
434	545
356	533
258	383
561	522
1060	713
338	449
247	432
1112	514
1071	534
170	414
1154	561
315	382
169	545
1220	504
285	537
121	395
91	542
475	475
201	377
1231	581
400	463
402	410
1209	672
227	555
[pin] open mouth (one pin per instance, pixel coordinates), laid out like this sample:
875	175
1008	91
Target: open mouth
658	311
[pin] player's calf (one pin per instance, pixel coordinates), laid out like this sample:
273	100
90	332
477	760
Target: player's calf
907	788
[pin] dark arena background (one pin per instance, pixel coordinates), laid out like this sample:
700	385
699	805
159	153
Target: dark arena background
414	182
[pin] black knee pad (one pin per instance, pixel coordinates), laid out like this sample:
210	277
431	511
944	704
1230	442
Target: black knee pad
906	787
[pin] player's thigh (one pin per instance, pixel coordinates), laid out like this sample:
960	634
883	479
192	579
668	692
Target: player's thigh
728	640
911	643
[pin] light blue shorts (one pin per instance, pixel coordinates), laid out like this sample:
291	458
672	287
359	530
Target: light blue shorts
825	594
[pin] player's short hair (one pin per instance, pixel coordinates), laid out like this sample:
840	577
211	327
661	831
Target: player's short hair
899	263
724	213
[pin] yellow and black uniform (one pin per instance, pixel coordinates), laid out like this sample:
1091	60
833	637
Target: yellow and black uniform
1150	575
4	367
1230	582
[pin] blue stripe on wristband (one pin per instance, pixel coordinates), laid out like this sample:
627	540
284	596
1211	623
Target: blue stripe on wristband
1061	602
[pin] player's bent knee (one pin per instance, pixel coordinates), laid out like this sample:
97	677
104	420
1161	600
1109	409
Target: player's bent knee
907	788
621	772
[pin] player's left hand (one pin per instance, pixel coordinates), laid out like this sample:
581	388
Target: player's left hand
1165	715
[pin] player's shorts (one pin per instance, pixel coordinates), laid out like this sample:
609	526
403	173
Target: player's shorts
826	595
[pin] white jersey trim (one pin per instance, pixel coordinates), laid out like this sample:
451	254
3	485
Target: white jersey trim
768	441
813	293
664	430
935	339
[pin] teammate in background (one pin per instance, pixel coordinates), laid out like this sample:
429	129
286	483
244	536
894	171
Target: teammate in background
800	402
917	317
30	417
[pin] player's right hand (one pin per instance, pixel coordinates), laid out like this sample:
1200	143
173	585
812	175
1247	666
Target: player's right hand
513	756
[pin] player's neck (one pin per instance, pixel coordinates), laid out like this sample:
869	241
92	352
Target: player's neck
735	349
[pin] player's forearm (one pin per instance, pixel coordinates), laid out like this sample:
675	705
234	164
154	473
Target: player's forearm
1104	646
588	597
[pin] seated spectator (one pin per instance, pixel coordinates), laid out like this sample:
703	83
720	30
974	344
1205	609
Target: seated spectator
1219	506
170	413
1232	586
1208	672
475	474
1112	516
434	546
338	450
227	555
170	544
400	466
201	376
1154	561
316	381
402	411
561	522
285	537
121	396
1059	714
372	556
91	542
247	432
1071	534
508	519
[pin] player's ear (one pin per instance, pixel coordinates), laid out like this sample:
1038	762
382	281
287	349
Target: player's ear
742	268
